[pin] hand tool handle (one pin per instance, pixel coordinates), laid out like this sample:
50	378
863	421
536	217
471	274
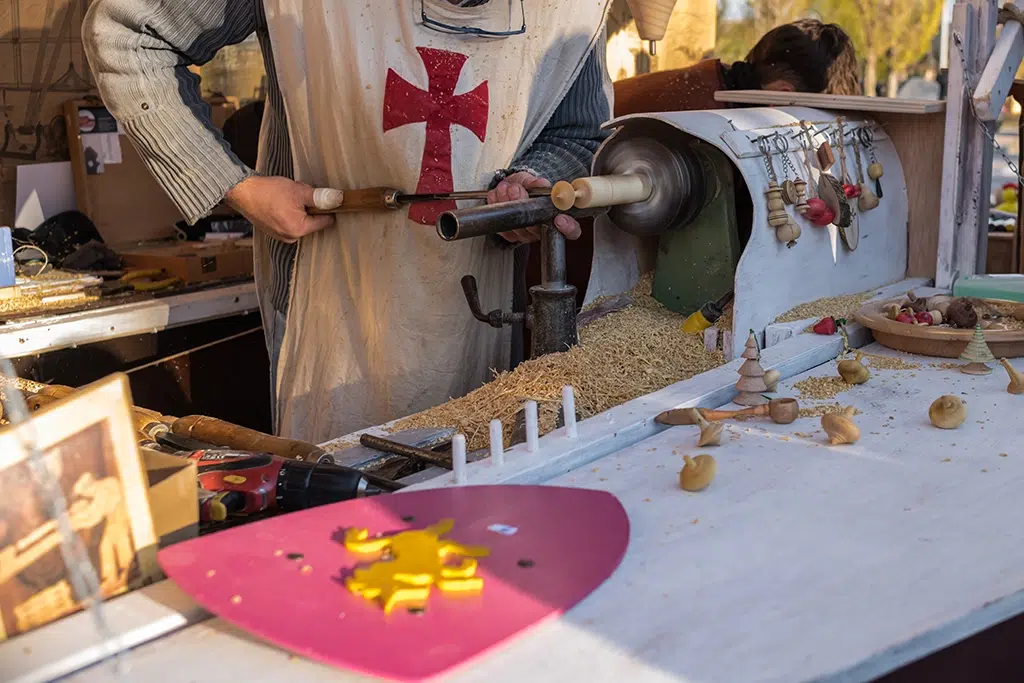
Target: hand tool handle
368	199
611	190
683	416
412	452
234	436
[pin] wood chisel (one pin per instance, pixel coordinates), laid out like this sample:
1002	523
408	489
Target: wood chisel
380	198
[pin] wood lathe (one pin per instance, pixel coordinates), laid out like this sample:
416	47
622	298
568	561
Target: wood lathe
650	181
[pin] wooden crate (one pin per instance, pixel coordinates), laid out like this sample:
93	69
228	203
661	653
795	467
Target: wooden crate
193	261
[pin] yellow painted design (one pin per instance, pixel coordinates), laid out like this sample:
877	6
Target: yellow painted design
409	563
234	479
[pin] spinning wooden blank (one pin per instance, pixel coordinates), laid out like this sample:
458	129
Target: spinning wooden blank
283	579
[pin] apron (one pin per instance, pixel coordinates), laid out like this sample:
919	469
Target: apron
377	325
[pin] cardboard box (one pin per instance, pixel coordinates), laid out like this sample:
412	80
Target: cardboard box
193	261
173	498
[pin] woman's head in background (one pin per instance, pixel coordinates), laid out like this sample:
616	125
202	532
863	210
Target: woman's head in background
804	56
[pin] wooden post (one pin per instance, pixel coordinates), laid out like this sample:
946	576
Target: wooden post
996	79
967	154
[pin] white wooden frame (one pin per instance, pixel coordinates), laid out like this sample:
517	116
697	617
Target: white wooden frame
967	156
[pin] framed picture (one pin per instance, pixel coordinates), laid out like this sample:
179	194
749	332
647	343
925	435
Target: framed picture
87	442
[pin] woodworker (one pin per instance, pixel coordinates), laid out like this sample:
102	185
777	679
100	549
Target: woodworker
364	314
804	56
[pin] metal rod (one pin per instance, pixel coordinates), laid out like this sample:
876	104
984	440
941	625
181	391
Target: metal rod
552	256
412	452
492	219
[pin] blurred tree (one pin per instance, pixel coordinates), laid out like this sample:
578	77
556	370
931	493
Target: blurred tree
737	35
889	35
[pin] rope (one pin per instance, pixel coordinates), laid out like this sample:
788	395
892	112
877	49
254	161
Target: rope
1010	12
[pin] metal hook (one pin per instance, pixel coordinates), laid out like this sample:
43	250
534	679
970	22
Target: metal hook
762	144
780	142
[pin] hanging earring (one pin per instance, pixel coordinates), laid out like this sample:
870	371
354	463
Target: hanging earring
849	189
785	229
867	199
817	211
875	170
831	190
793	192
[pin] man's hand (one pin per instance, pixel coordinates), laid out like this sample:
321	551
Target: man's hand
277	206
517	186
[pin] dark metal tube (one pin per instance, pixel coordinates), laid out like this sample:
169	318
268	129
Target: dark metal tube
552	256
478	221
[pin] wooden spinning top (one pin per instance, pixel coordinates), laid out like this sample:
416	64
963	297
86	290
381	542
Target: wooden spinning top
751	384
789	192
875	172
788	233
977	354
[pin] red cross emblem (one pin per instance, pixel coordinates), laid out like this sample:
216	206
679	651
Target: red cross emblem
440	108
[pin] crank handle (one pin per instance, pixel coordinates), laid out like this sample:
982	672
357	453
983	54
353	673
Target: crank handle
495	318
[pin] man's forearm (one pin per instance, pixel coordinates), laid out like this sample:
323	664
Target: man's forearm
565	148
139	52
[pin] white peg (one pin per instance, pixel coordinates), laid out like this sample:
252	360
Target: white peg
711	339
727	349
532	429
497	444
459	460
569	411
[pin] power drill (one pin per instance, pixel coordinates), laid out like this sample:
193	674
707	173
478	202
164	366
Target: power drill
245	483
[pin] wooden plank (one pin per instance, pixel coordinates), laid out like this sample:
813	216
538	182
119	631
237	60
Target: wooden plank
918	141
996	80
72	644
979	150
834	102
958	121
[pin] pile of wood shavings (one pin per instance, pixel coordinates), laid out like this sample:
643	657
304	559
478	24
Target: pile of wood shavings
834	306
824	409
625	355
821	387
26	303
889	363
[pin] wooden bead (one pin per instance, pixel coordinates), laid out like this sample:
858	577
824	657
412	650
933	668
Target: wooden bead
777	221
789	193
788	233
776	205
875	171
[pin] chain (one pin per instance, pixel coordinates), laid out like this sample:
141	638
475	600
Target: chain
867	140
840	138
762	145
856	155
81	572
808	157
959	42
782	145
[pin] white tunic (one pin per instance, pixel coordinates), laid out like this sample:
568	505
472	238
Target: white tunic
377	325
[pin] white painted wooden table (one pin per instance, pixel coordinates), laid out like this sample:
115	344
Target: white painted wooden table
68	330
802	562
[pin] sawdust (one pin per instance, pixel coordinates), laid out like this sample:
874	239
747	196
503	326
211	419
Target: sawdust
890	363
835	306
819	388
28	303
622	356
947	366
824	409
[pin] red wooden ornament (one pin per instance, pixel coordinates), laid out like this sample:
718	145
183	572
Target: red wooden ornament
818	212
851	191
283	579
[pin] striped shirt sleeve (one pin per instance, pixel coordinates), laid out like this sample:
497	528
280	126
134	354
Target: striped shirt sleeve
565	148
139	53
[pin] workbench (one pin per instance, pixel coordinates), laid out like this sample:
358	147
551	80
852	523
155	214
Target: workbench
801	562
53	331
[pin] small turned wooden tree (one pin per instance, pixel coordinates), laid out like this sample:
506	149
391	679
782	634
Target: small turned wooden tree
977	354
751	385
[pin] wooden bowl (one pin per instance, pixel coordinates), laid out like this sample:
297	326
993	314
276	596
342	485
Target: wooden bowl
941	342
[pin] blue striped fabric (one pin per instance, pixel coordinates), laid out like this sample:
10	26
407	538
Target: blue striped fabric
140	52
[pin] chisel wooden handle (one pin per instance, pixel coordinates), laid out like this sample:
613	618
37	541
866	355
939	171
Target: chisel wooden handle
230	435
683	416
368	199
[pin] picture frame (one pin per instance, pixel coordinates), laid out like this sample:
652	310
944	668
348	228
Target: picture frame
88	445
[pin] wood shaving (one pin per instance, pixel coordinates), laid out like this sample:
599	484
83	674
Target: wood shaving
835	306
28	303
890	363
821	387
622	356
823	409
947	366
